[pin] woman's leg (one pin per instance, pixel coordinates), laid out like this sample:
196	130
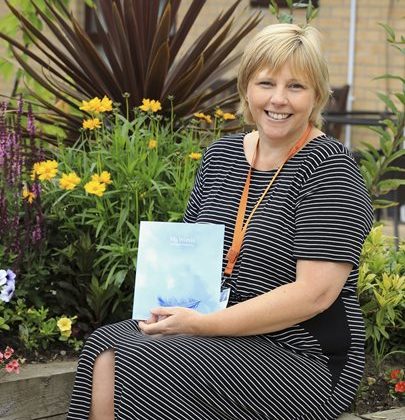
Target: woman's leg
102	399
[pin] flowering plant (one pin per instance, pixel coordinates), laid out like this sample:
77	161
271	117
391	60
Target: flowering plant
396	378
7	288
96	193
21	217
7	285
8	362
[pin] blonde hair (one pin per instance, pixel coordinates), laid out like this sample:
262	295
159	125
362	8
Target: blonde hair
272	47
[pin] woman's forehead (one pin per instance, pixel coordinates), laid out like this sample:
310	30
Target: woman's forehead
287	68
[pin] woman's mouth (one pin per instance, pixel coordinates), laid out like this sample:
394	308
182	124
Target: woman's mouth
277	115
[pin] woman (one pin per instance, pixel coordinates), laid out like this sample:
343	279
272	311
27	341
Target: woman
296	212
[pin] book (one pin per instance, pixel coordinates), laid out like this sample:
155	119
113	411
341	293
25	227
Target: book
178	264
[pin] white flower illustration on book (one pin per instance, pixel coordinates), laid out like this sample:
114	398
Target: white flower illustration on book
182	302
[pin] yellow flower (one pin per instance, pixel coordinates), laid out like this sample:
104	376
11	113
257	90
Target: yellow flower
28	195
91	123
35	170
69	181
105	105
45	170
64	324
228	116
95	187
195	156
150	105
91	106
66	334
202	116
104	177
152	144
219	113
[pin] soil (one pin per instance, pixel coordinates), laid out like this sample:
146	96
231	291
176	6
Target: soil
375	392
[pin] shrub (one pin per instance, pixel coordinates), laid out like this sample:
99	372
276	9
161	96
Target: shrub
381	290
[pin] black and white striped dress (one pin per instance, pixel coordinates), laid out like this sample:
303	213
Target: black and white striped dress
318	208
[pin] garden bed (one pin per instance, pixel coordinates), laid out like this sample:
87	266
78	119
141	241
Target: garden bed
40	391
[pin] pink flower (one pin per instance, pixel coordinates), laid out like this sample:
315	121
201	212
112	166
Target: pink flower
400	386
1	356
8	352
13	366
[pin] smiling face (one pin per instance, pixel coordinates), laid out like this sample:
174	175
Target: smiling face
280	104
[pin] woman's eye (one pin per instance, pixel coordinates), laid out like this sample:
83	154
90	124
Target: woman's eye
296	86
266	83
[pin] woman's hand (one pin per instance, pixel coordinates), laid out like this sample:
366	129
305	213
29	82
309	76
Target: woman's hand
174	320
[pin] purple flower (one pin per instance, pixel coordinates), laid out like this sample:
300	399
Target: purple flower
7	285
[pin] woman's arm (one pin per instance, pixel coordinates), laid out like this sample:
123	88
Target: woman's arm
317	286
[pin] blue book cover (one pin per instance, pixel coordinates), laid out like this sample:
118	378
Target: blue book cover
178	264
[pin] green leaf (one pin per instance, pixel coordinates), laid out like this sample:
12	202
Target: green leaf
401	96
383	203
395	156
390	76
388	185
390	32
387	101
6	69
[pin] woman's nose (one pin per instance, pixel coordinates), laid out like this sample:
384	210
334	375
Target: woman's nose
278	96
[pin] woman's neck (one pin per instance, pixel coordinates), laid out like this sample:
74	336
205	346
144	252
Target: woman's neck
270	154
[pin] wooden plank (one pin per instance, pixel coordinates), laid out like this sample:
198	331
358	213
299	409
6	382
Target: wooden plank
39	391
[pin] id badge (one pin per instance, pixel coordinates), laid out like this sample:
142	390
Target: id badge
224	297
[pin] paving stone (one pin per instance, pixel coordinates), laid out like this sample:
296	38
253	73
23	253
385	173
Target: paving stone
395	414
348	416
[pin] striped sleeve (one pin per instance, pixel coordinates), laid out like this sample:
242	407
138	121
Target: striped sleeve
333	212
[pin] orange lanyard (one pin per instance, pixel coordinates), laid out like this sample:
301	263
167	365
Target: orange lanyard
240	228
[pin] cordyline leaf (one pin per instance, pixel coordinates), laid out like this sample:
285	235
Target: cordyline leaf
69	67
129	83
156	75
216	91
110	53
70	121
190	17
200	44
183	88
137	52
159	59
40	79
66	36
34	34
162	33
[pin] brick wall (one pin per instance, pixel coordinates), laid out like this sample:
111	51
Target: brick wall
372	55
